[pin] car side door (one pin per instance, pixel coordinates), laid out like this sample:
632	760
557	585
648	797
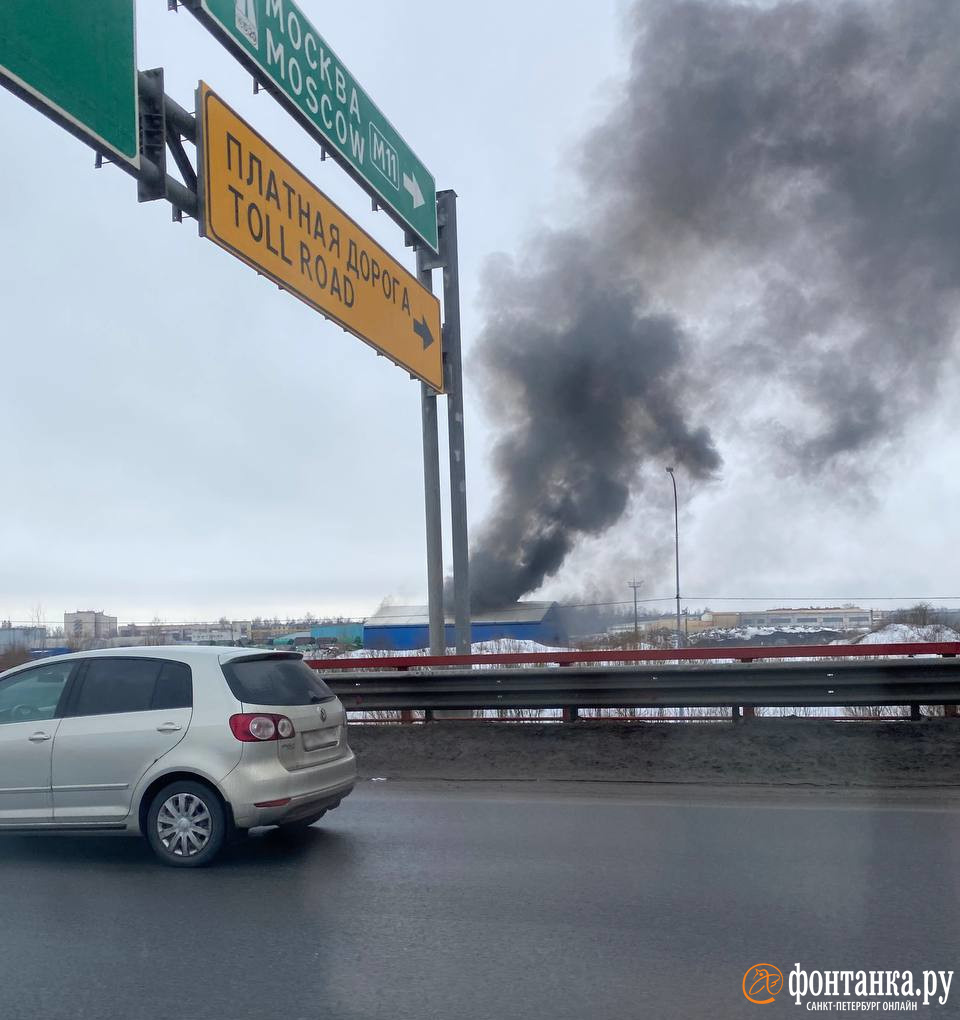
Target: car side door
30	702
122	715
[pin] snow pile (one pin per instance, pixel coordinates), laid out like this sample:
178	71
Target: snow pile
749	633
510	646
903	633
499	646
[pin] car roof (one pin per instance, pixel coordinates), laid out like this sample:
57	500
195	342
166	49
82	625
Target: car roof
190	654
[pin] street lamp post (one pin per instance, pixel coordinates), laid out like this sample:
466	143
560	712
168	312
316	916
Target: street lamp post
676	537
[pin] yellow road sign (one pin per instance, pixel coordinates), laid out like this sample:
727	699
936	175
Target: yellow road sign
259	207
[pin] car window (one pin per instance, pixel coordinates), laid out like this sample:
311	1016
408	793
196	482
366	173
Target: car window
175	687
275	681
34	693
118	685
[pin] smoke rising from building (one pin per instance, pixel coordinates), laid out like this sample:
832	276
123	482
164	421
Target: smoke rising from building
587	384
771	226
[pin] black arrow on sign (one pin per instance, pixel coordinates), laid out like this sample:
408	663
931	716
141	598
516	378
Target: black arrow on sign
423	331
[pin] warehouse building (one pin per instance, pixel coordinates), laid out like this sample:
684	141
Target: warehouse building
842	619
347	632
404	628
21	637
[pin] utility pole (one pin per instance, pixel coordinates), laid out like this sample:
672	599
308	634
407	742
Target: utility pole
636	586
676	536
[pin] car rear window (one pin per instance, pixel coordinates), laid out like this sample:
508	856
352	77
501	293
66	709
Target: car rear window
275	680
174	688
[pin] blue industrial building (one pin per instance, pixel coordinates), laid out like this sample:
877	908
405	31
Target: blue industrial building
344	633
405	628
347	633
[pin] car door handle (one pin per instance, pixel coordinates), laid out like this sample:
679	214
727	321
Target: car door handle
169	727
39	737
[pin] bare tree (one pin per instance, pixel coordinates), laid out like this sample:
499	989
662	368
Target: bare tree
38	624
920	615
13	656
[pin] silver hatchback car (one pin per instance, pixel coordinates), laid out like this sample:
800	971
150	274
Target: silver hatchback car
184	745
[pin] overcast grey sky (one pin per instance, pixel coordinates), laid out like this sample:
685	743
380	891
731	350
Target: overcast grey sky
180	439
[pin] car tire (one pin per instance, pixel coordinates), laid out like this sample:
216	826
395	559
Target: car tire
186	825
299	827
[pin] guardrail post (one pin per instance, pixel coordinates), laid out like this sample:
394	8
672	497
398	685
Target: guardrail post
749	711
428	715
571	714
950	712
915	713
735	713
406	715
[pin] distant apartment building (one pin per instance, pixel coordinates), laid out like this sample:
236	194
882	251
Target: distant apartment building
89	625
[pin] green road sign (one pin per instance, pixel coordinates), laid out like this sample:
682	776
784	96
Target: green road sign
281	47
76	61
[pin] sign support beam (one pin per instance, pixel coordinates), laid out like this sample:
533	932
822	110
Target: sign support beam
163	124
431	494
153	135
453	371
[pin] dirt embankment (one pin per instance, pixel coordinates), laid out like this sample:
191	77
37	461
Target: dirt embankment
780	752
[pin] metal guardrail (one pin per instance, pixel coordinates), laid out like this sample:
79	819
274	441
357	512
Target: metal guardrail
570	657
827	683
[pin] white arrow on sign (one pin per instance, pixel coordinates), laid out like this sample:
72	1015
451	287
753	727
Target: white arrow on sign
411	184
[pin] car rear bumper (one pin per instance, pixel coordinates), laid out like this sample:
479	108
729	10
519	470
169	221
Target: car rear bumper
302	793
310	805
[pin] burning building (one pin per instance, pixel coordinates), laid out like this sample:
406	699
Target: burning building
404	628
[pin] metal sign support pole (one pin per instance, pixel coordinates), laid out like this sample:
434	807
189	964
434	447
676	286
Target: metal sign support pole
163	123
453	371
431	493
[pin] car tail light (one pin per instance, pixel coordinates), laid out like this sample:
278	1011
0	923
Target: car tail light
257	727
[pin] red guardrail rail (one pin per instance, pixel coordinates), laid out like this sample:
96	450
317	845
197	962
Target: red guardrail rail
746	653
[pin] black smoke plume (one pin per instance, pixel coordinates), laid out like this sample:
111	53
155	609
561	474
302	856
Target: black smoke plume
588	384
771	228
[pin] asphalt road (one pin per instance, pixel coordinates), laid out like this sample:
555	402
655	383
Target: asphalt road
488	901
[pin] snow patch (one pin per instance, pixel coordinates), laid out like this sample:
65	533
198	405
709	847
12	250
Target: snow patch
499	646
903	633
747	633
